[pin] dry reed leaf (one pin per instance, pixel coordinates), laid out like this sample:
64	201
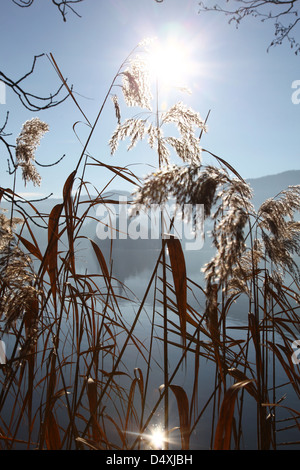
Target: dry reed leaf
68	205
256	337
52	248
180	282
27	222
103	266
224	162
59	73
33	250
241	377
183	410
173	307
92	397
213	326
119	430
101	260
48	420
118	170
130	406
52	436
139	375
91	445
225	421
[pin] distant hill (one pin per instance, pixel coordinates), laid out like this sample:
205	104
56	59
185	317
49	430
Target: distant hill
263	187
132	257
269	186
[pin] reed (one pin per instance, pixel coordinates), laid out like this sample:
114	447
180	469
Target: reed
79	374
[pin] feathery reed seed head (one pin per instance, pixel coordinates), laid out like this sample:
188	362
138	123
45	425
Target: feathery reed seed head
16	274
27	143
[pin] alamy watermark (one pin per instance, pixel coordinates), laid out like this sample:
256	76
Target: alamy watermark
2	93
296	93
120	221
2	353
296	354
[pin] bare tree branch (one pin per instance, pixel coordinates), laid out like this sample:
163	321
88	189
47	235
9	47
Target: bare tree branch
283	13
29	100
62	5
9	147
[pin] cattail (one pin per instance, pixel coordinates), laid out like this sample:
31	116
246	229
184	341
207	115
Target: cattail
27	143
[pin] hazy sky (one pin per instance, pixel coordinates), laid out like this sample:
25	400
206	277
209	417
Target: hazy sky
253	123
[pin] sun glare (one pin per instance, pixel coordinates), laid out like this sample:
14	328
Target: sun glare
170	63
157	438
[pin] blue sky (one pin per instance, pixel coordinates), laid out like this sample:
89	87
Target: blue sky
253	123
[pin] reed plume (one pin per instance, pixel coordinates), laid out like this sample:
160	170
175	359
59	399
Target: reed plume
26	145
280	231
17	277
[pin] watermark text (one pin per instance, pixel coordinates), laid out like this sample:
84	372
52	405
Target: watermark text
2	353
296	354
296	93
123	222
2	93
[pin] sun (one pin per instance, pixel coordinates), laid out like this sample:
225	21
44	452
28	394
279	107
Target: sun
170	62
157	438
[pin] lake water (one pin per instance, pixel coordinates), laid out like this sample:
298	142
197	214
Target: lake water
236	321
133	269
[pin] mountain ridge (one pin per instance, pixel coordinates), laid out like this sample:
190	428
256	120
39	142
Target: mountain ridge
263	187
268	186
